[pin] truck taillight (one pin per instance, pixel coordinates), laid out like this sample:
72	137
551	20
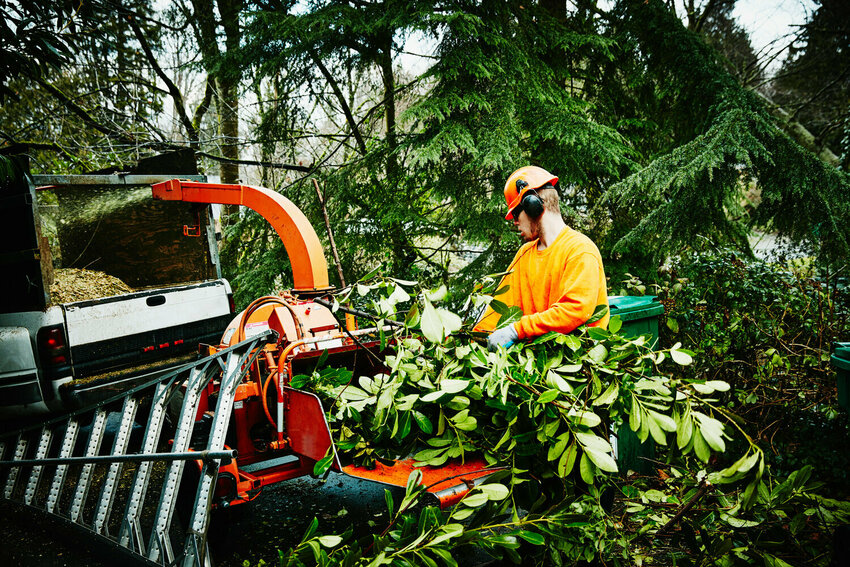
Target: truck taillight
52	348
231	303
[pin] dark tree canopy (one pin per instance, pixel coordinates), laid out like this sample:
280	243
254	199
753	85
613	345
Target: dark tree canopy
648	122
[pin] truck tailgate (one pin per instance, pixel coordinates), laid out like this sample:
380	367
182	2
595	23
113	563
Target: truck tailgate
137	328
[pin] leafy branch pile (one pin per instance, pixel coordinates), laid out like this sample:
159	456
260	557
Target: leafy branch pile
544	411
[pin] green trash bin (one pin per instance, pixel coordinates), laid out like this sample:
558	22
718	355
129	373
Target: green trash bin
841	361
640	315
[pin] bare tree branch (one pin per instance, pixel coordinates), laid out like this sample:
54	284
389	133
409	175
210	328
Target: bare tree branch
203	106
276	165
82	113
175	93
349	117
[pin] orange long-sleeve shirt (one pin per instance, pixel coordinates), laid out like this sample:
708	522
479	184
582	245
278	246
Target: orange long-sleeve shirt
557	288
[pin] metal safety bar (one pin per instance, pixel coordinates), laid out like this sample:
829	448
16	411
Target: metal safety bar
132	458
108	469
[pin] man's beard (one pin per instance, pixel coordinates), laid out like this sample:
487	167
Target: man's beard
534	227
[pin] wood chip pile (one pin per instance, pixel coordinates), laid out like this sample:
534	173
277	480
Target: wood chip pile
72	284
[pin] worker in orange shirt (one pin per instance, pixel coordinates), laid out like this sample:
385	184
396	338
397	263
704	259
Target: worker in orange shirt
556	278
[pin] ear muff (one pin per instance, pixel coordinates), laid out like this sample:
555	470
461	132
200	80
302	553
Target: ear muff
531	202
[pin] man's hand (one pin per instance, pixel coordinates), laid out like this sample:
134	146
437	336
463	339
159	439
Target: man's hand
505	337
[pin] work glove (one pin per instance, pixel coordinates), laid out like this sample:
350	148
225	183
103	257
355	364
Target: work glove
505	337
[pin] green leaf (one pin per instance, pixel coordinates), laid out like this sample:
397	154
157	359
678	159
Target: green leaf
533	538
311	529
703	389
431	324
450	321
388	498
437	295
680	357
556	449
700	447
433	396
474	500
598	313
445	555
453	386
495	491
398	295
664	421
567	461
608	396
711	431
672	324
427	454
413	480
446	532
329	540
548	396
316	549
554	380
586	469
587	418
598	353
684	431
423	422
718	385
615	324
323	465
468	424
602	460
589	440
597	333
773	561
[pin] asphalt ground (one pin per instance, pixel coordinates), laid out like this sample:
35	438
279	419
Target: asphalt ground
246	533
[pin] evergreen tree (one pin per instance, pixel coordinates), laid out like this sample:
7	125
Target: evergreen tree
722	138
97	104
814	81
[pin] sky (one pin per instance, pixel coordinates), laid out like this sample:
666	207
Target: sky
770	20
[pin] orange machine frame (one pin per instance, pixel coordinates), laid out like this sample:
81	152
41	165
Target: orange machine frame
306	255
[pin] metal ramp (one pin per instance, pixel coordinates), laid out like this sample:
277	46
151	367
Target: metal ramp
113	471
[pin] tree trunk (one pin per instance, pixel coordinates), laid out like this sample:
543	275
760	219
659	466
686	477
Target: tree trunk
227	107
402	254
227	81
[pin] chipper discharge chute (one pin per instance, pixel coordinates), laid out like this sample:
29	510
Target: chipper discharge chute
213	433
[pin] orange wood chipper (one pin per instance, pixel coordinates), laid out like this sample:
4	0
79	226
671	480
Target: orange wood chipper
280	432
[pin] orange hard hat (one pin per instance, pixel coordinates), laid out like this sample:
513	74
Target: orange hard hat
523	180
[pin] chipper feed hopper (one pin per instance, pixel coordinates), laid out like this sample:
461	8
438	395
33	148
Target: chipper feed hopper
220	429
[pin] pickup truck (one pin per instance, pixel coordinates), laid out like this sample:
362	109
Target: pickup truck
146	287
